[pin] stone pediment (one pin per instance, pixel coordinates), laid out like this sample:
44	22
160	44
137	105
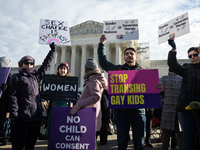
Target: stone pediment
88	27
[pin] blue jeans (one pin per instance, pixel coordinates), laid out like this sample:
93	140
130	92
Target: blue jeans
137	122
191	131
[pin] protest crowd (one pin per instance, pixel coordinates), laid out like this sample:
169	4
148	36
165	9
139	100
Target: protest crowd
177	115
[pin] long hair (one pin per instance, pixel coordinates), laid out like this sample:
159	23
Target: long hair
61	65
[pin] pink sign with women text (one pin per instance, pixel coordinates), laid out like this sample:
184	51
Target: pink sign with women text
132	89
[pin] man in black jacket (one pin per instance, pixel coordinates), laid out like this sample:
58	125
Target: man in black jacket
190	91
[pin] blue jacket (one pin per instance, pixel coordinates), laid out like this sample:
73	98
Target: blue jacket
108	66
24	93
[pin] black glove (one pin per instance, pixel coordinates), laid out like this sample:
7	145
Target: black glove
3	86
172	43
52	46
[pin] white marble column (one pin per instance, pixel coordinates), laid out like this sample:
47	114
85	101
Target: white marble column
53	64
95	53
58	61
63	53
83	60
118	55
73	62
129	44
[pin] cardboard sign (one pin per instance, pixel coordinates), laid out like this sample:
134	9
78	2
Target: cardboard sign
173	28
54	31
59	88
72	131
133	89
3	76
121	29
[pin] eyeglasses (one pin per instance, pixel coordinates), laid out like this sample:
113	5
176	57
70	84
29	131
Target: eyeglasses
27	63
195	55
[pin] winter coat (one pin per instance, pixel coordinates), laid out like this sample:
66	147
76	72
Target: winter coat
108	66
91	95
172	85
24	93
190	83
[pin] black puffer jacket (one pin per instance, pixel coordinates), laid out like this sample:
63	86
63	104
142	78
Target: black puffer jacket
24	93
190	88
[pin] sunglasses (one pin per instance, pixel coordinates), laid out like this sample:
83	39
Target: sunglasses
195	55
27	63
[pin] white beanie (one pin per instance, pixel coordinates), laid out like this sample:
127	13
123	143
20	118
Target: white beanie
4	62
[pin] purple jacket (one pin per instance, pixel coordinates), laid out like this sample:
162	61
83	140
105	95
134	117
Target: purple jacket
24	93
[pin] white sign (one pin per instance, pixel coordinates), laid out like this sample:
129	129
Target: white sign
173	28
54	31
121	29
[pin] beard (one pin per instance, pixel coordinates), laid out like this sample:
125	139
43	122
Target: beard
129	60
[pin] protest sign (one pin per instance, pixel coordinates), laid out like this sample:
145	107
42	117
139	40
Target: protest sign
59	88
121	29
72	132
173	28
3	76
54	31
132	89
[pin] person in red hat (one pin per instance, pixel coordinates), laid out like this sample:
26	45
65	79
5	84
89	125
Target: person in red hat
63	69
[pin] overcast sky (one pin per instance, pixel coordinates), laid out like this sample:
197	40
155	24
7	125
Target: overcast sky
19	25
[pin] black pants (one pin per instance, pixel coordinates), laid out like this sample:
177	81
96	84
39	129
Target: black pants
24	135
149	116
103	132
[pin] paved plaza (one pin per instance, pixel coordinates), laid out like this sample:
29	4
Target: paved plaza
111	145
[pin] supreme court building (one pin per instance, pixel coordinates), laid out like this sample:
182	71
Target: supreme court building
84	43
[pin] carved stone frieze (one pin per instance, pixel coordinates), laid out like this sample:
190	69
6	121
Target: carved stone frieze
88	27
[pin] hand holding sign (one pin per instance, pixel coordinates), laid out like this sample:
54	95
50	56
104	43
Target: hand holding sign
103	39
52	46
3	86
74	109
160	87
172	43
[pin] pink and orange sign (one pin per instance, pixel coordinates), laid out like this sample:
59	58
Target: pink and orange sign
129	89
